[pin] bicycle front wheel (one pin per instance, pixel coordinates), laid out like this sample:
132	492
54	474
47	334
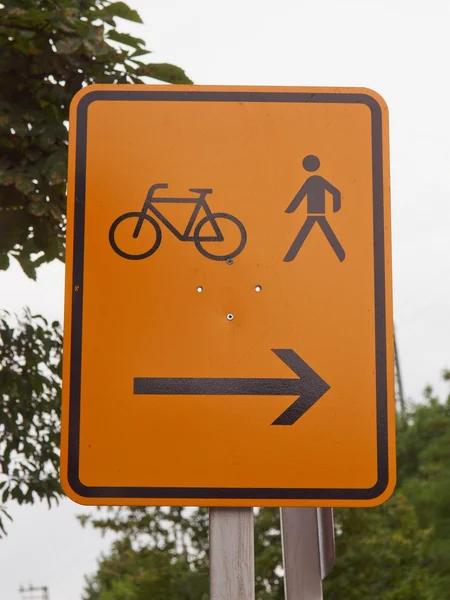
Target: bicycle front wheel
220	236
130	246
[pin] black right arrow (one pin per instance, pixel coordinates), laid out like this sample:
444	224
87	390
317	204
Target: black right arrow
309	387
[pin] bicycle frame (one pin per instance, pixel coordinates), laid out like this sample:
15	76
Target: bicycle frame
186	236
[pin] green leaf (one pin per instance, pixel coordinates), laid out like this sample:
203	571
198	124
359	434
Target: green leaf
97	48
38	208
33	154
23	183
37	197
27	34
119	9
32	115
163	72
4	261
6	142
125	38
6	177
20	127
13	228
67	26
27	266
14	12
68	45
56	213
56	167
139	52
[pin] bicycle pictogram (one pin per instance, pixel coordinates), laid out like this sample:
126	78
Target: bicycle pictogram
192	233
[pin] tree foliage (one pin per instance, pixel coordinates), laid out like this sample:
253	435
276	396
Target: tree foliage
381	553
424	475
136	569
49	49
161	554
30	392
131	574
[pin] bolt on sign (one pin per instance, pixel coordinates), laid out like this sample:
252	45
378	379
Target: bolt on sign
228	326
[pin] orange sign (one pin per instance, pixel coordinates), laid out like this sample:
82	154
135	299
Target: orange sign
228	329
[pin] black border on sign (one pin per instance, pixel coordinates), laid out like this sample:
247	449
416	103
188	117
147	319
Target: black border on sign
379	300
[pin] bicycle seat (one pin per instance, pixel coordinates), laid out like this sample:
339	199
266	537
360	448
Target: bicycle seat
201	190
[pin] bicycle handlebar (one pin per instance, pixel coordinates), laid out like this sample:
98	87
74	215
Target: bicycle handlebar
157	186
152	189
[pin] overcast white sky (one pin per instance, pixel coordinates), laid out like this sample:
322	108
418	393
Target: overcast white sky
402	50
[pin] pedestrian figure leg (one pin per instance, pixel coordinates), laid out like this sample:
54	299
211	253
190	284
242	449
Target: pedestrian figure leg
331	237
301	237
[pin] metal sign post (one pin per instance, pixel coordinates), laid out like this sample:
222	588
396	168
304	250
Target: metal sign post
308	552
325	526
303	572
231	554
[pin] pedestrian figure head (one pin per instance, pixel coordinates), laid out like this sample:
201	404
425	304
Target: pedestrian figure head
311	163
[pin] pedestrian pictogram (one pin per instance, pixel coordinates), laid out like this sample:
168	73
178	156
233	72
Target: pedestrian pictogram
228	327
314	190
199	237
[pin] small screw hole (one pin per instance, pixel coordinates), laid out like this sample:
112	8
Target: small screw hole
229	261
258	288
230	317
199	289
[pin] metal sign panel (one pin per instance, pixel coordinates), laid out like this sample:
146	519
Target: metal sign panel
228	328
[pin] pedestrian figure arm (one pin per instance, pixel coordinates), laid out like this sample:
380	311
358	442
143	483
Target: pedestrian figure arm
298	198
336	196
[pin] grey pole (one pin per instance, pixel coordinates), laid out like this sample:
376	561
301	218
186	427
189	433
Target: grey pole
398	377
231	554
301	554
327	550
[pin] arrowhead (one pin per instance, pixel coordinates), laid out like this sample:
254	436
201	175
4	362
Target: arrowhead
312	387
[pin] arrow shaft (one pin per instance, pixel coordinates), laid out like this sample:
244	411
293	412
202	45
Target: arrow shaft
308	386
209	386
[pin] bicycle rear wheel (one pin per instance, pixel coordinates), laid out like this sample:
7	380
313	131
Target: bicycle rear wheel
231	242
